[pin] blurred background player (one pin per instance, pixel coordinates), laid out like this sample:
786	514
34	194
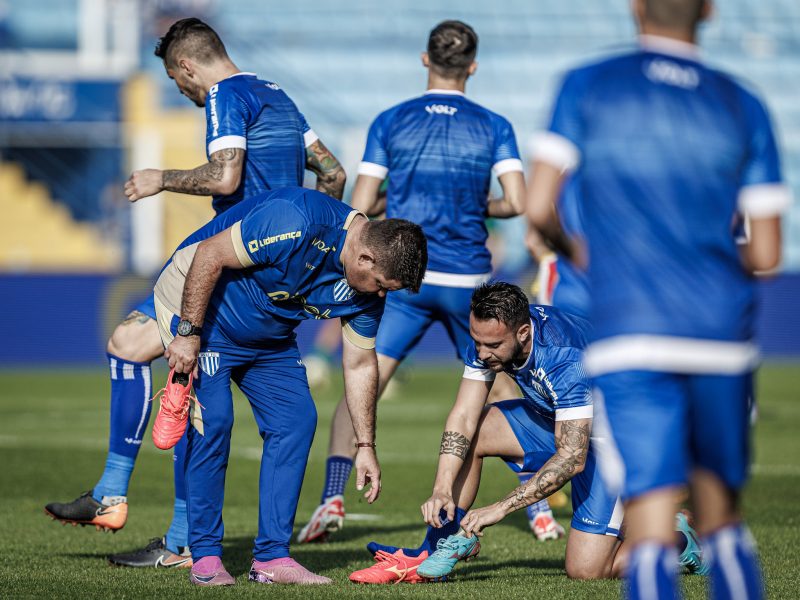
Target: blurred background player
668	150
438	152
256	140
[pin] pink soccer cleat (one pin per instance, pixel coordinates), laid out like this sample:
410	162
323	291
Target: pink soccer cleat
284	570
173	413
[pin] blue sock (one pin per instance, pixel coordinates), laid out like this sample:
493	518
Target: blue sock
652	573
130	411
533	509
337	472
735	572
178	533
432	536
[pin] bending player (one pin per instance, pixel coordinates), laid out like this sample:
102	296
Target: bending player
256	140
669	151
438	151
546	432
238	296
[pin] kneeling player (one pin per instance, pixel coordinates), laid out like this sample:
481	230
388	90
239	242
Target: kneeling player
548	431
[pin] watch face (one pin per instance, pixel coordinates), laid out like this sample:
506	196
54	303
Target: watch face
184	328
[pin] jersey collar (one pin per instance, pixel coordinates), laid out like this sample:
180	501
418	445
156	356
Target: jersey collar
528	364
444	92
669	46
240	73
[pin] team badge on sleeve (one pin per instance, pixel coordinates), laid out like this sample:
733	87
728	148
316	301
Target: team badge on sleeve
209	362
342	292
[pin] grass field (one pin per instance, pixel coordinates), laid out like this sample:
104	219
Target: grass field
53	429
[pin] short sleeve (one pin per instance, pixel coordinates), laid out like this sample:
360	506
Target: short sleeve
505	152
362	328
227	116
474	368
762	193
571	390
375	162
560	145
309	135
268	234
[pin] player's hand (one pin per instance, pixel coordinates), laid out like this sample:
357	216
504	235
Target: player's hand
182	354
144	183
475	521
368	472
433	506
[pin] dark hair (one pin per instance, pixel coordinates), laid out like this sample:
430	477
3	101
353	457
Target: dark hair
675	14
452	46
502	301
193	38
400	248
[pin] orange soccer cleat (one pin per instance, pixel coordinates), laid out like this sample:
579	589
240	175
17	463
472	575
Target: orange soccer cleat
173	413
391	568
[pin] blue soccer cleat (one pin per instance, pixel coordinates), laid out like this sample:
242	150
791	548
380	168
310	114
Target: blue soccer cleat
691	559
449	551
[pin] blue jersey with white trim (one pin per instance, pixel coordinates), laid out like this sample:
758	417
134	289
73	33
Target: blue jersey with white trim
290	242
552	379
666	148
439	151
245	112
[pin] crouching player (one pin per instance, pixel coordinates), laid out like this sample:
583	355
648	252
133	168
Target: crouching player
547	432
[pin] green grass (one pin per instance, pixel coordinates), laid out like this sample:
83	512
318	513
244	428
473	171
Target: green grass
53	429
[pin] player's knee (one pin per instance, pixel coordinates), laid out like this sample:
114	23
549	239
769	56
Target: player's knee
586	571
136	341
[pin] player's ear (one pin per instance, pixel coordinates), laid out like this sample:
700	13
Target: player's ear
523	333
472	68
707	12
366	259
426	61
187	66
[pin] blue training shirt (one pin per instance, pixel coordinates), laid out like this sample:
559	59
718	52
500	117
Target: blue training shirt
290	243
667	150
439	151
552	379
245	112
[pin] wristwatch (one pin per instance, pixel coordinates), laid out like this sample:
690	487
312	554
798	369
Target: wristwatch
185	328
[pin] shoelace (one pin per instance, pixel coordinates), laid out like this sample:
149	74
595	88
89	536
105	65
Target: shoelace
183	410
445	544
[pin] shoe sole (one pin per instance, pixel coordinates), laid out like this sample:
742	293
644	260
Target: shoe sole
98	526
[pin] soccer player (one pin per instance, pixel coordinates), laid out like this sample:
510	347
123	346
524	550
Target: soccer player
256	140
438	152
234	300
668	151
547	432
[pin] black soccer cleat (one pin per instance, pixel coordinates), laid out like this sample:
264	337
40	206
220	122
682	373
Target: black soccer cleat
155	554
85	510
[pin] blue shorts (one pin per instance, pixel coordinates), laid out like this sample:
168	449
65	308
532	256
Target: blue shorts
665	424
147	307
408	316
595	510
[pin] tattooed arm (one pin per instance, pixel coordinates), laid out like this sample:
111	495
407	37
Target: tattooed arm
572	448
456	440
221	175
212	255
330	174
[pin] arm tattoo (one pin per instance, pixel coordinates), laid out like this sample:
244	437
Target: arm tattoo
330	174
454	443
203	180
572	447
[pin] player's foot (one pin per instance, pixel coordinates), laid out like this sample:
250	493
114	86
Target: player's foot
109	515
691	559
173	412
284	570
155	554
391	568
327	518
209	570
545	527
449	551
